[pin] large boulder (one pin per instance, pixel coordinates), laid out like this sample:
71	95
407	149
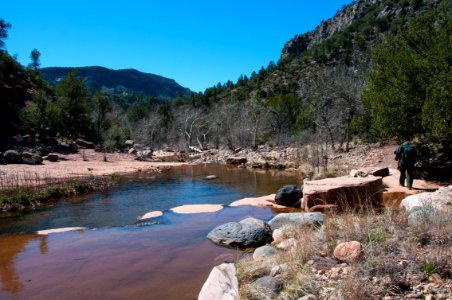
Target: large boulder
248	233
298	219
222	283
289	196
348	193
12	157
440	199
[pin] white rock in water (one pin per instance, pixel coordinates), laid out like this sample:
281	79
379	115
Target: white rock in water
59	230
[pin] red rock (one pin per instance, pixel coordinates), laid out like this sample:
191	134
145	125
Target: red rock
349	193
348	251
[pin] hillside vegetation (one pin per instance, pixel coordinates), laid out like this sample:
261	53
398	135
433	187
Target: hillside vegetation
378	69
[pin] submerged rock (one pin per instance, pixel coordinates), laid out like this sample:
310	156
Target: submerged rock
248	233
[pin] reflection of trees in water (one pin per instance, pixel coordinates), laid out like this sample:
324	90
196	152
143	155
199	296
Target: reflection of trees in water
10	247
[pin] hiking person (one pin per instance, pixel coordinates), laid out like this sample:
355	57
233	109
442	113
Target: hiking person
405	155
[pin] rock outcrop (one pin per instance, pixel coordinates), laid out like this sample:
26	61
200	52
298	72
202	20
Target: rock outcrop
349	193
248	233
222	283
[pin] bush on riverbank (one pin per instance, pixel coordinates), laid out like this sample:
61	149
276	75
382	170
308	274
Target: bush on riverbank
397	259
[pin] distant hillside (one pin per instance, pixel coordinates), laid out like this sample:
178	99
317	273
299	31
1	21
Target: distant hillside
99	78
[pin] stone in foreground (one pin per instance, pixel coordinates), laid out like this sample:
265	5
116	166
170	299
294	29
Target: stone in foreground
266	286
222	283
441	200
348	251
289	196
297	219
349	193
264	252
248	233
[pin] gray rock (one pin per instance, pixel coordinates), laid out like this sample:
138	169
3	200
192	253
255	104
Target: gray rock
222	283
298	219
53	157
129	143
145	154
289	196
264	252
210	177
12	157
248	233
26	154
266	287
84	144
38	159
427	215
441	200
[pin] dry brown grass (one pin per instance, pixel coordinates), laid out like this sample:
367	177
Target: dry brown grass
394	253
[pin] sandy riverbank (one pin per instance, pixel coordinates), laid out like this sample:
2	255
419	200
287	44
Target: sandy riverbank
82	164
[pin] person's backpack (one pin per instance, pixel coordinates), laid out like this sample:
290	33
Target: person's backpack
398	153
409	152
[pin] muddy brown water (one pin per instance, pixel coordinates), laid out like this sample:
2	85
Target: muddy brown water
116	260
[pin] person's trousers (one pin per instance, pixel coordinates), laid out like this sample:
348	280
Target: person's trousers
406	172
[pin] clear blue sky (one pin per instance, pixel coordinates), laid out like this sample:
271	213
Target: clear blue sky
197	43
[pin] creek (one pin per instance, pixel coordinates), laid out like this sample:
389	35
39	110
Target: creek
115	259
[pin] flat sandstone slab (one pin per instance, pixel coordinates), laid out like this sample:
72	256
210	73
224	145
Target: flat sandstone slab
59	230
152	214
346	192
197	208
264	201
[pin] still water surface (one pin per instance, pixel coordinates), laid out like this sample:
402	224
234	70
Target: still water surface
170	260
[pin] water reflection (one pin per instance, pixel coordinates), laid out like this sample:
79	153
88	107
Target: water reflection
142	193
10	247
167	261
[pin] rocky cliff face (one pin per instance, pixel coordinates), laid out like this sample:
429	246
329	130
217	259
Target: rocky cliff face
382	9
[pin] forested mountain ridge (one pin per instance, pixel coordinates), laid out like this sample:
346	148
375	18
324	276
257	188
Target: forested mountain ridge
118	81
378	69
